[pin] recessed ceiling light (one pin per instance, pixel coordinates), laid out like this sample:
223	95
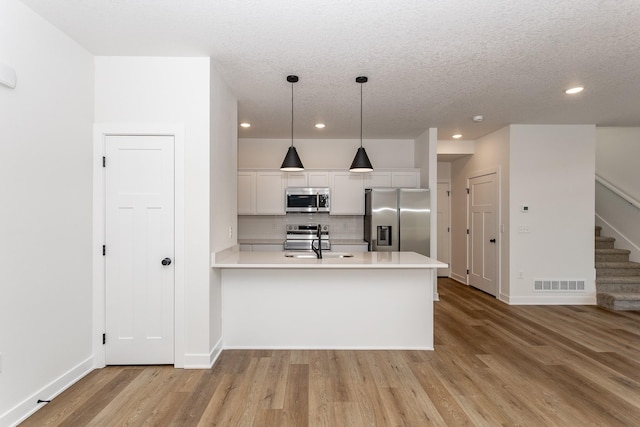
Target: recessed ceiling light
574	90
320	125
456	136
245	125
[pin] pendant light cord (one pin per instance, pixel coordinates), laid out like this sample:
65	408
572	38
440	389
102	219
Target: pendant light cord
360	114
292	114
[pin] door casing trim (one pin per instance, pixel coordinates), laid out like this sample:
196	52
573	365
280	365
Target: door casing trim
100	132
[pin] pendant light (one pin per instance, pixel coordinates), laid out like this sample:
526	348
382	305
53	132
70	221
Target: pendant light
292	161
361	161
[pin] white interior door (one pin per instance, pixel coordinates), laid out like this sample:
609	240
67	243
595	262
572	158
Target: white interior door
444	227
139	224
483	233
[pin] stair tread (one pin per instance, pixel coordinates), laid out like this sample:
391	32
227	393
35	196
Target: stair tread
605	239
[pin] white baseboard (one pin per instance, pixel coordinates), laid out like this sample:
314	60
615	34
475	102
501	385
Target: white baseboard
29	406
555	299
203	361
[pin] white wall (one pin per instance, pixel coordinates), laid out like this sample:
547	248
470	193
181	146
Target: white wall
45	219
172	90
617	156
325	153
549	168
223	184
552	172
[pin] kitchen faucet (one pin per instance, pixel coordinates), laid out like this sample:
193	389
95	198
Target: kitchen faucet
318	251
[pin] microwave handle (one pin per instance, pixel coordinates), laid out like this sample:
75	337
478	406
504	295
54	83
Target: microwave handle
317	201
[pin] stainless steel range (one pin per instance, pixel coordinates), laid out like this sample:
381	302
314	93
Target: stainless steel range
302	237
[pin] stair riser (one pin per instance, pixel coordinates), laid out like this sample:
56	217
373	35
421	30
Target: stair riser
624	272
612	257
604	245
618	287
621	305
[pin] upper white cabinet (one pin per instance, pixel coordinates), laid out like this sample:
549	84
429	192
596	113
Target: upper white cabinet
392	179
318	179
347	193
296	179
408	179
377	179
308	179
270	193
246	193
261	192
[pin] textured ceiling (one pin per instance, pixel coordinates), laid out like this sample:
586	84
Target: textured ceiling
430	63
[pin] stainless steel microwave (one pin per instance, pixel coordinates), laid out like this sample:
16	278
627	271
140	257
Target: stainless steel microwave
307	199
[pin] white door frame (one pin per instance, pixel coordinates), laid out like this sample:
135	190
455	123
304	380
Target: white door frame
100	132
448	182
499	227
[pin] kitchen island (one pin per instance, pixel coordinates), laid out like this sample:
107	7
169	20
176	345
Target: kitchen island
371	300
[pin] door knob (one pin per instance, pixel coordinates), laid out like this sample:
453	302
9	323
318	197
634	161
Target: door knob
166	261
492	240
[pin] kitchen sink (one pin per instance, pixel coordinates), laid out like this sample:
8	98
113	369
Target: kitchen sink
312	255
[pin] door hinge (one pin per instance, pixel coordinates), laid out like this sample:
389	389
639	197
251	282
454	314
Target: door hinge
104	250
467	191
467	231
448	193
104	161
448	229
467	271
104	339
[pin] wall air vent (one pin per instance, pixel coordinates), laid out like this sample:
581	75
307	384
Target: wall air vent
559	285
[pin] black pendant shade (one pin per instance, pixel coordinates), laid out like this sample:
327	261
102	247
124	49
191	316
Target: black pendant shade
361	162
292	161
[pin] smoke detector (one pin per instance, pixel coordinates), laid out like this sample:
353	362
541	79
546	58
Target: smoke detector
478	119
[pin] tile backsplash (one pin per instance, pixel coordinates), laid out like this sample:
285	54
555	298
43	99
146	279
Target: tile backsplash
274	226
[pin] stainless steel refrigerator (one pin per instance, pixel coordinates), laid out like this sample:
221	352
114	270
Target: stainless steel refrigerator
398	219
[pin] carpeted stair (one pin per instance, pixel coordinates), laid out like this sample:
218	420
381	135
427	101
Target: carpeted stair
617	278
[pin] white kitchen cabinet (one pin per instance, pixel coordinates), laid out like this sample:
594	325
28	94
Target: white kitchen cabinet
246	193
308	179
392	179
296	179
405	179
347	193
270	193
318	179
377	179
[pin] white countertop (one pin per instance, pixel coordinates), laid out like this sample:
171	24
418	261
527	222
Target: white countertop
281	241
232	258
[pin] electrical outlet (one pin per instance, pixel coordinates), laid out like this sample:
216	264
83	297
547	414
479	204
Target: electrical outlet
230	232
520	275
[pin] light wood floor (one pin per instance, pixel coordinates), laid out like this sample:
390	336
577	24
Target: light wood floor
493	365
